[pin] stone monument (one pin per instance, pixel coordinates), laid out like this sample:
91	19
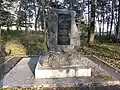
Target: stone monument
63	34
62	59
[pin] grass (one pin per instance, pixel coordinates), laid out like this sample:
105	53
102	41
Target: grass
104	47
15	48
105	39
104	77
108	52
20	43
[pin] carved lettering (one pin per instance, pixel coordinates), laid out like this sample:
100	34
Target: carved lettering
64	27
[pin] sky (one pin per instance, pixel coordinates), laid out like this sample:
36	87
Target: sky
61	0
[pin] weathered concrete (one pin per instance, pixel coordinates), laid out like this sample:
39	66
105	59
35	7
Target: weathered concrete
59	65
63	72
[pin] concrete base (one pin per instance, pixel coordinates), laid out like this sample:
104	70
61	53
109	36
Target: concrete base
63	72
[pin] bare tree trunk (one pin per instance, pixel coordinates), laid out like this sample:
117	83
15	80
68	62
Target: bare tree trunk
108	24
34	3
88	21
26	27
36	20
18	21
92	24
108	18
8	27
112	14
99	21
103	20
26	24
100	29
115	18
118	25
103	26
88	13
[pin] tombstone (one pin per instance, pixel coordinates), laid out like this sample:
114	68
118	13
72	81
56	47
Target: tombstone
62	59
63	34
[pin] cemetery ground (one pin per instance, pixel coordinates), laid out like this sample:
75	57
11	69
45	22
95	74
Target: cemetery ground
105	49
32	44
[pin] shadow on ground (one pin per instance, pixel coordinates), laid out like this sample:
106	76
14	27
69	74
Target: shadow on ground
2	66
32	63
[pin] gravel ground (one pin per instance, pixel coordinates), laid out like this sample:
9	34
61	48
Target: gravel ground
96	69
23	74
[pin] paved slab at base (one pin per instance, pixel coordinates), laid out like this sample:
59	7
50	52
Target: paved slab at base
22	74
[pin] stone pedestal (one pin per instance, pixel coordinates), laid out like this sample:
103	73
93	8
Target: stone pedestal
61	65
63	37
73	70
63	72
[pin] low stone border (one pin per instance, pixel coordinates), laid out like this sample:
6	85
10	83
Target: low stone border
9	58
113	71
106	63
8	65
